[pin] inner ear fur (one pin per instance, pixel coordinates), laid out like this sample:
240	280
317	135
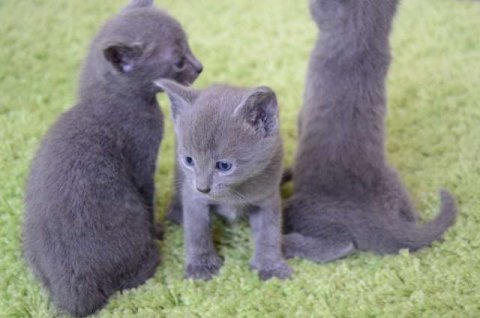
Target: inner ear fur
260	110
123	56
181	97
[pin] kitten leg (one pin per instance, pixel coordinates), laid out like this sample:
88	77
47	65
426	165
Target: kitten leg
79	295
148	193
175	208
310	235
316	249
268	260
202	261
145	270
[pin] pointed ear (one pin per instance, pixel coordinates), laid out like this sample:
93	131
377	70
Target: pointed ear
123	57
135	4
260	109
181	97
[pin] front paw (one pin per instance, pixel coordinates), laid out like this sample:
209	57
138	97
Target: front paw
280	270
204	268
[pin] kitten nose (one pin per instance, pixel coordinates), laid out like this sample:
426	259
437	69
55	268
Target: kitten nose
197	65
206	190
199	68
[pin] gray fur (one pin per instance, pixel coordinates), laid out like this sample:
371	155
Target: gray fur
346	195
88	229
239	126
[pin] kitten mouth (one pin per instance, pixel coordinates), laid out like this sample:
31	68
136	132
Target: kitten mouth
211	195
187	82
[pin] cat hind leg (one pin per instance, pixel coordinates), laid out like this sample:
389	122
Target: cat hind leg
322	249
79	297
146	270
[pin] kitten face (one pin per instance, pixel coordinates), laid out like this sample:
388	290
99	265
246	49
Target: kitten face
143	44
225	136
215	162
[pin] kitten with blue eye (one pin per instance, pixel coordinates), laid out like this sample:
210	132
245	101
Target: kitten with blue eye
88	229
229	152
346	195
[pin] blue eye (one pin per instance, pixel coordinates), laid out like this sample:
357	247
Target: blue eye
223	166
189	161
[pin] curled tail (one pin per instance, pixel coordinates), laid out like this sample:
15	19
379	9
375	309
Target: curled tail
414	237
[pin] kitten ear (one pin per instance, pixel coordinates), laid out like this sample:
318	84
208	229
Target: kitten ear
260	109
135	4
123	57
181	97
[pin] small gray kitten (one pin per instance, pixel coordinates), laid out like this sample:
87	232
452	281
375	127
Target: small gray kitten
346	196
229	151
88	229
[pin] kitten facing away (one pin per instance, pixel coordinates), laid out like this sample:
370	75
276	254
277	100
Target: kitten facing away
88	229
346	196
229	151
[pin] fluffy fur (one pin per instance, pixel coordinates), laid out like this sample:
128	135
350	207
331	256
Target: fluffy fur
88	229
237	128
346	195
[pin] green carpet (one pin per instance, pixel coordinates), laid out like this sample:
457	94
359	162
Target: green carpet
434	140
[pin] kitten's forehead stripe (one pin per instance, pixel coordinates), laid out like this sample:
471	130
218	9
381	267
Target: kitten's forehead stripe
212	124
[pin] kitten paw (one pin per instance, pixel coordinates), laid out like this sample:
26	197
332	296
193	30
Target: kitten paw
204	269
281	271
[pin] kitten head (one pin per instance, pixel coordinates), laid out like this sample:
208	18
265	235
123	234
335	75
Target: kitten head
352	14
142	44
225	135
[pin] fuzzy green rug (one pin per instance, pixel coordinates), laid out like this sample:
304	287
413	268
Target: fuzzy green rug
434	140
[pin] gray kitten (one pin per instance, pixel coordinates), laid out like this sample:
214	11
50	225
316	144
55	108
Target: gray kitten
346	195
230	154
88	229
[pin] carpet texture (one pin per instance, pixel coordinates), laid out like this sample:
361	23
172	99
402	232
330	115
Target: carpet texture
433	139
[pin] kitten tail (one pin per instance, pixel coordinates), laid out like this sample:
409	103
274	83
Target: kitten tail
415	238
